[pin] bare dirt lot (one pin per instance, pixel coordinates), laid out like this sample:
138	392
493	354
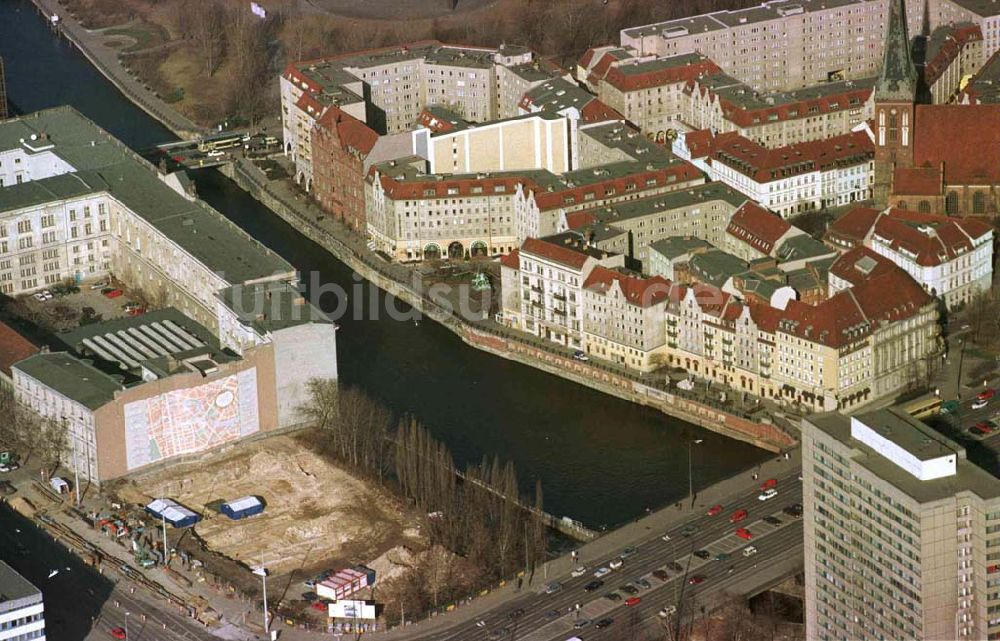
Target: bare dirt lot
317	516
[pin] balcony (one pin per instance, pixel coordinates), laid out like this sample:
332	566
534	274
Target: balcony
561	297
537	289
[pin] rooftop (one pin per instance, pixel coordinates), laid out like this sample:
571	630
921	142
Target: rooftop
16	591
72	377
13	347
272	306
677	246
984	88
102	164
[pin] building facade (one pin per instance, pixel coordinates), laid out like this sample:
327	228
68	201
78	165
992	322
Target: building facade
22	611
899	532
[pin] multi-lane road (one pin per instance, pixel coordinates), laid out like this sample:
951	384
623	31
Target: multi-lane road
540	616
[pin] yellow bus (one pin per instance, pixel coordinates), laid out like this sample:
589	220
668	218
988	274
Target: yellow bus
923	407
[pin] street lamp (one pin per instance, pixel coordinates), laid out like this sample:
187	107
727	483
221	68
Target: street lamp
262	573
126	624
691	470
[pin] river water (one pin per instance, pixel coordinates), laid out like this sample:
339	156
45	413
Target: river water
600	459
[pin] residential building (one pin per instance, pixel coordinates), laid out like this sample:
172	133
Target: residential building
535	141
77	204
788	180
565	97
984	87
723	104
14	346
387	88
22	611
952	258
623	318
952	54
343	149
753	232
900	531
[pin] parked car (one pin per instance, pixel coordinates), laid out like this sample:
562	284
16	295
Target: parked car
986	394
702	554
689	530
750	550
627	552
979	403
979	430
794	510
773	520
117	633
613	596
581	624
633	601
10	466
112	293
603	623
769	484
674	566
661	575
769	493
642	583
667	611
738	516
580	356
593	585
696	579
949	407
744	533
665	537
43	295
629	589
616	564
722	556
579	570
101	284
553	614
553	587
715	510
599	572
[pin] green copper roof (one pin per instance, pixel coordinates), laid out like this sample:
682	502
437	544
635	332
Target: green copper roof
898	81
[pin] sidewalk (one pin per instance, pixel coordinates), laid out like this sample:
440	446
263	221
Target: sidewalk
105	59
641	530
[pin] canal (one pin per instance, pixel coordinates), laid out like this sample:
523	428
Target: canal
600	459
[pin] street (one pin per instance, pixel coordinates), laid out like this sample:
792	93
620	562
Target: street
548	617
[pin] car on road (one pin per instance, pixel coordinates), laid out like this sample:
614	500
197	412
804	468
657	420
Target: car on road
553	614
8	467
769	484
581	624
642	583
979	404
599	572
580	356
986	394
616	564
498	633
661	575
667	611
702	554
627	552
553	587
744	533
689	530
215	153
515	614
665	537
750	550
794	510
603	623
613	596
715	510
769	493
738	516
674	566
593	585
628	588
117	633
633	601
697	579
722	556
772	520
579	570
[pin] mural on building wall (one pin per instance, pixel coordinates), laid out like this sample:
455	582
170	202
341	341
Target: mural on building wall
192	419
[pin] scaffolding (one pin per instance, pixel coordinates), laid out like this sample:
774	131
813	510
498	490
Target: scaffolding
3	93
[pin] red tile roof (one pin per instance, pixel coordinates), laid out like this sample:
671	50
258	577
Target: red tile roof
625	82
699	143
757	227
764	165
430	188
597	111
642	292
580	219
849	266
556	253
852	228
14	347
512	260
353	134
946	133
928	239
681	173
918	181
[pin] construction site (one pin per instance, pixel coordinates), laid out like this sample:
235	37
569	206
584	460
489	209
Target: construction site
316	515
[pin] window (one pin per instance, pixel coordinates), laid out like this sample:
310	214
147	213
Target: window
979	203
951	203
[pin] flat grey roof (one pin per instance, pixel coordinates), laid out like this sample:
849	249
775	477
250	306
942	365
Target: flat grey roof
72	377
104	164
911	435
14	587
271	306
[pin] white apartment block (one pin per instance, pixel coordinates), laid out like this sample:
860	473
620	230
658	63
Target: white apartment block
900	532
387	88
788	180
22	612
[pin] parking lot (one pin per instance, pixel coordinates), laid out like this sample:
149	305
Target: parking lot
60	308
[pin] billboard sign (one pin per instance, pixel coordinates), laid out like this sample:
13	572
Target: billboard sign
351	609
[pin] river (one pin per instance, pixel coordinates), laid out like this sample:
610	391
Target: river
600	459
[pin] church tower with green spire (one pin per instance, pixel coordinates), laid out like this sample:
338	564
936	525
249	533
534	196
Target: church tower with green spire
895	95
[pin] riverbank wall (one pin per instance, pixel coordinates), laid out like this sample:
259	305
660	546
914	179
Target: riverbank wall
505	343
105	60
